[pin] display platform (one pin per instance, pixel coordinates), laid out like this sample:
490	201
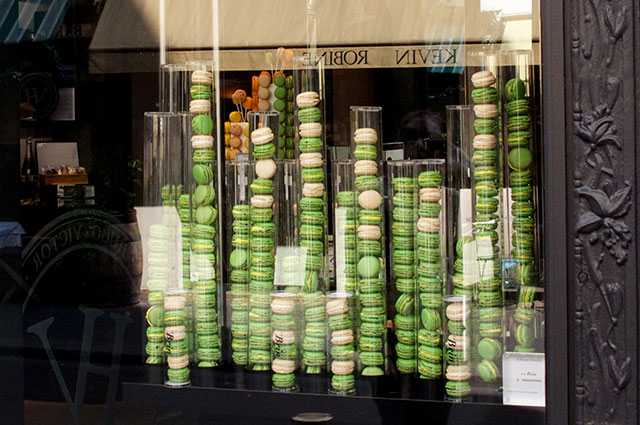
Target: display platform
222	393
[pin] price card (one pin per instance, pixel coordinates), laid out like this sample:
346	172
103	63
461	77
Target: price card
523	379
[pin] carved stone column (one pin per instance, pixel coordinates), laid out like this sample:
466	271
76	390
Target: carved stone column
601	175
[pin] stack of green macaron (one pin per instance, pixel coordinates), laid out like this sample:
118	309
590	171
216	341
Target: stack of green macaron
489	294
370	254
524	317
341	343
345	227
261	249
283	103
175	334
239	277
284	351
404	216
184	202
457	347
204	218
312	230
520	161
170	194
157	282
429	272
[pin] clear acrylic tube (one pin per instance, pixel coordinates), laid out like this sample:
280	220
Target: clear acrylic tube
238	257
286	331
457	347
403	209
162	188
263	130
263	135
174	88
161	136
430	265
366	132
177	348
486	89
205	264
344	226
310	132
342	341
366	126
523	204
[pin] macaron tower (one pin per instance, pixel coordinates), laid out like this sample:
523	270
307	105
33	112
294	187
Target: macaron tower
519	170
309	113
239	259
489	293
342	343
344	225
403	203
457	346
263	133
429	267
204	219
184	213
157	281
175	335
366	131
284	351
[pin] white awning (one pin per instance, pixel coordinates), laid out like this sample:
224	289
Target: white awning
130	33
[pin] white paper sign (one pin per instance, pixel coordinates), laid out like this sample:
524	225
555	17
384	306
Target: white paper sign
523	379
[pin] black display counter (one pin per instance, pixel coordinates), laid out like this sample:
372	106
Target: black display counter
230	405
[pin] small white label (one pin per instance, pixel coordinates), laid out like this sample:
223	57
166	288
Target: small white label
523	379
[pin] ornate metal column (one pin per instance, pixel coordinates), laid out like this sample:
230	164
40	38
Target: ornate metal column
599	184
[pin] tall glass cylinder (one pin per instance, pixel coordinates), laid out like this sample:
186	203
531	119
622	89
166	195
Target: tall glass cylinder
205	267
162	134
263	134
287	309
430	266
162	188
176	341
344	226
238	258
522	233
457	347
488	124
403	207
342	342
174	88
286	331
263	130
310	135
366	133
460	211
